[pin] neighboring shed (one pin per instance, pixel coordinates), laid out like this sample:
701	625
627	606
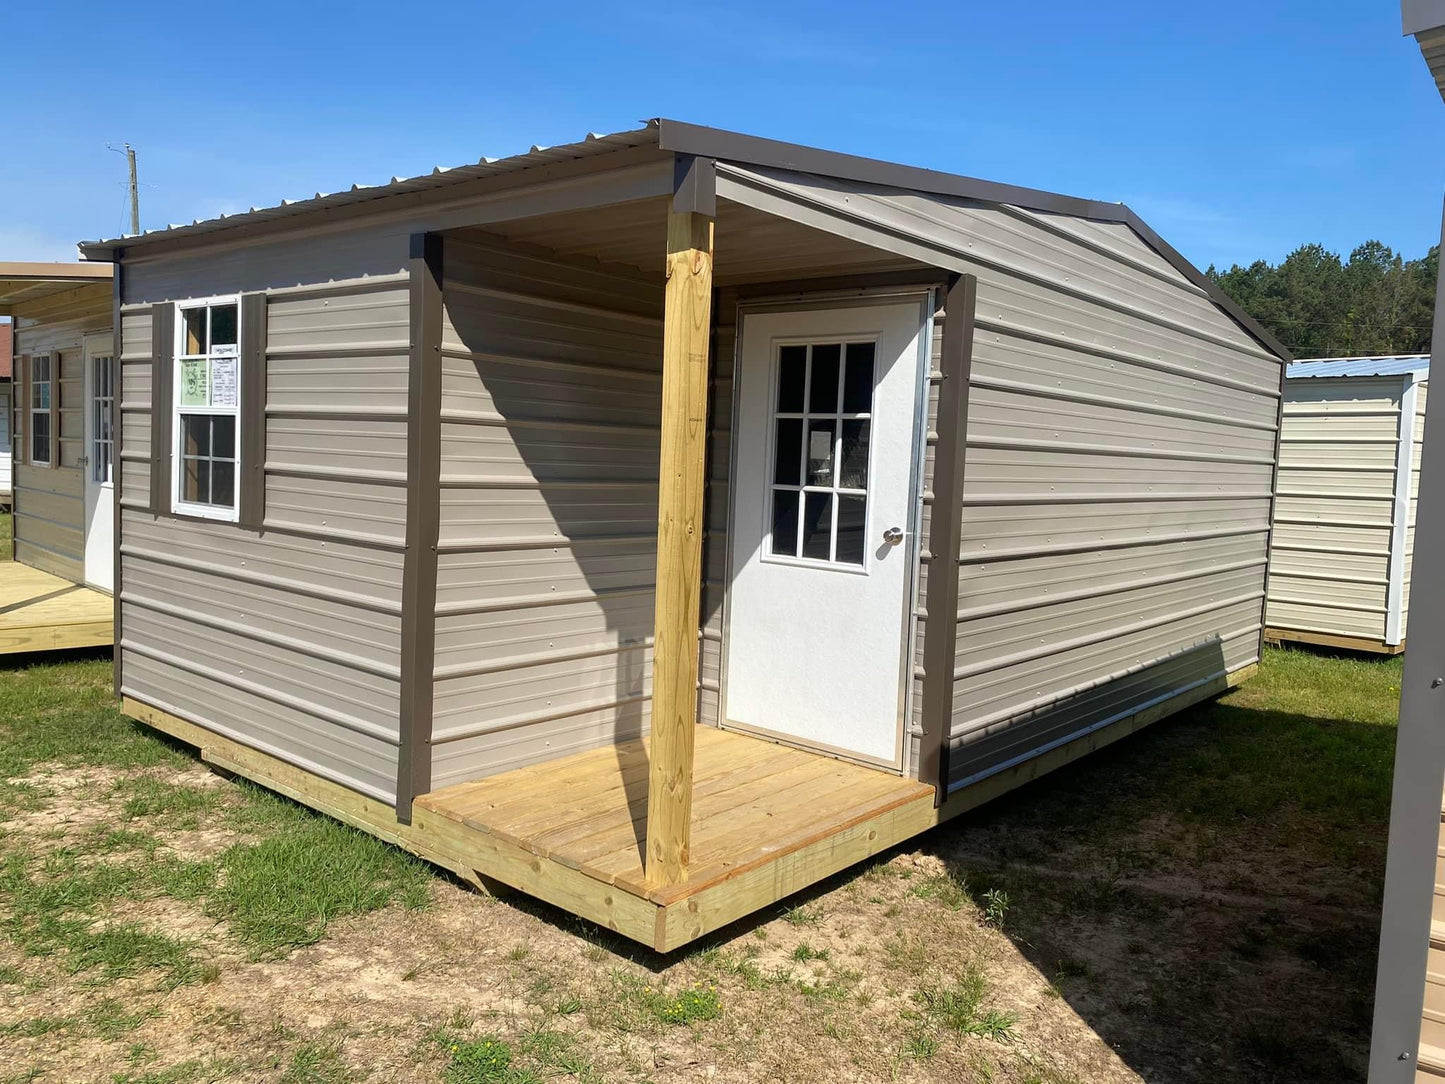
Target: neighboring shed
438	497
1349	475
56	594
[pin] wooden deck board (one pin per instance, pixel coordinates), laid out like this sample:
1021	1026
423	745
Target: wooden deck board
751	800
41	612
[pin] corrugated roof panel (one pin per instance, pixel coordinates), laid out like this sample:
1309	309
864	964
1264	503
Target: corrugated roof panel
1388	365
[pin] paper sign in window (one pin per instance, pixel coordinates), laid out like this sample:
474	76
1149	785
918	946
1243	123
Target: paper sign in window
223	382
195	382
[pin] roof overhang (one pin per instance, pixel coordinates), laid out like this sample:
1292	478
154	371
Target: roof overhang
661	139
1425	19
34	288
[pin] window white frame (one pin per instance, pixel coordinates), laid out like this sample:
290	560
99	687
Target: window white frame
804	487
179	411
36	411
100	451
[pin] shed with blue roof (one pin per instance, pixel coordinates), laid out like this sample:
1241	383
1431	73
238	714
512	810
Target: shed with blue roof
1344	521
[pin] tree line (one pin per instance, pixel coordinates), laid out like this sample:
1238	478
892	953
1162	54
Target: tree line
1320	306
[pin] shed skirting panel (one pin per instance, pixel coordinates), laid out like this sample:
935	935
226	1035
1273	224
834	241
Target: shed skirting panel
285	639
551	402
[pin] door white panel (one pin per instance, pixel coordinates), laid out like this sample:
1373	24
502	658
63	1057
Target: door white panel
99	462
821	528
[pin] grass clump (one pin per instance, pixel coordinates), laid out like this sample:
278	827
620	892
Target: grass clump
281	892
959	1007
316	1063
174	804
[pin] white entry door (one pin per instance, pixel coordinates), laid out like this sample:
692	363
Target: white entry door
821	526
98	463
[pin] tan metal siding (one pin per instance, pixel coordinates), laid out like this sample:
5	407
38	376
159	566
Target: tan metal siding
1331	556
50	501
287	639
551	393
1114	409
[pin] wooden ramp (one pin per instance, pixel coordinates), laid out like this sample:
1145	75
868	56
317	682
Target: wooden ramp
41	612
766	821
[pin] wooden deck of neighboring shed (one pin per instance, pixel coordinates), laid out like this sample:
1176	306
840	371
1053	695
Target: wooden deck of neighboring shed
41	612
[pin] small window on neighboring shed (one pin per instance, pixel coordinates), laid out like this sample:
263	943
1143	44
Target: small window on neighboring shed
41	390
206	398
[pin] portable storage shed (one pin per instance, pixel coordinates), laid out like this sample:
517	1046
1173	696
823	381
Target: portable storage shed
56	593
1349	478
437	497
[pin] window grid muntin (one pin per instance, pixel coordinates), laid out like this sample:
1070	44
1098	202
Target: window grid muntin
837	417
229	512
102	451
41	438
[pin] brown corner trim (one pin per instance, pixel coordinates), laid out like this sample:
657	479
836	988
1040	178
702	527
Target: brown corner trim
252	511
117	351
940	630
163	326
423	521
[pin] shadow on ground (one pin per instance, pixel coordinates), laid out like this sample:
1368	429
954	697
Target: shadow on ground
1206	894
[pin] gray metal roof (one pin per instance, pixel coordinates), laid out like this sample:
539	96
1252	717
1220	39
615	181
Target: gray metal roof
696	141
1388	365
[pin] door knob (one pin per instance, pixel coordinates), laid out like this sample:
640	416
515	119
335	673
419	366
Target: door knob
893	535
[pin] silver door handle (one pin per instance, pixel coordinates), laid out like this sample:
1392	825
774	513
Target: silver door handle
893	536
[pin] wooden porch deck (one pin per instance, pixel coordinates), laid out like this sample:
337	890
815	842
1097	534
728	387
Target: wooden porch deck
41	612
766	821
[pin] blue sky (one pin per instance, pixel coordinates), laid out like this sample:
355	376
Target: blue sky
1238	130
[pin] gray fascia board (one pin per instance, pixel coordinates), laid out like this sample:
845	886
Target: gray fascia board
691	139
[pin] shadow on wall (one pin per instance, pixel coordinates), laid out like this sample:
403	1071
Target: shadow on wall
567	356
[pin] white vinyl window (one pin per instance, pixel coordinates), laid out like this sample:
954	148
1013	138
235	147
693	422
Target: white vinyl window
205	433
40	392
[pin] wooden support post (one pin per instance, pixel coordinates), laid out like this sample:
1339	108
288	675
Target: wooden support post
687	322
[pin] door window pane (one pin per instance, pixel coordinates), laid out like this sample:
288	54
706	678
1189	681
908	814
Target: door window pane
788	452
817	525
823	389
785	522
858	379
853	473
792	375
820	452
852	529
824	453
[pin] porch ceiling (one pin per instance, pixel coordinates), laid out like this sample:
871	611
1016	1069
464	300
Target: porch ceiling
749	245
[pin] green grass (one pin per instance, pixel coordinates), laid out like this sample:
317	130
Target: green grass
283	891
959	1006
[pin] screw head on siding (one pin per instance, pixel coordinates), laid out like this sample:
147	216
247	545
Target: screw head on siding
1437	682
